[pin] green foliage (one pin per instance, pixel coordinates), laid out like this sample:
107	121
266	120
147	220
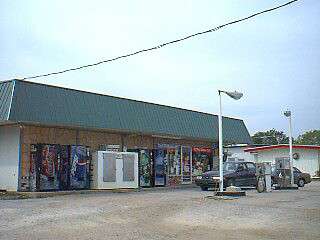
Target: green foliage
270	137
309	138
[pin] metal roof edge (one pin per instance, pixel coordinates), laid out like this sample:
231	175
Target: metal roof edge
11	99
11	80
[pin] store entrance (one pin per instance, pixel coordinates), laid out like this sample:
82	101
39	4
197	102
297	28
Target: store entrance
178	164
186	165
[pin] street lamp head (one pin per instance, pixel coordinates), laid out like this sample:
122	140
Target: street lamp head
235	95
287	113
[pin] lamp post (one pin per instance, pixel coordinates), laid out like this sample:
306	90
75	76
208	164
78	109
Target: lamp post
235	95
288	115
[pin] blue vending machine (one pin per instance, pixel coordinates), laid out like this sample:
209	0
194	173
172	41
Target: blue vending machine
159	168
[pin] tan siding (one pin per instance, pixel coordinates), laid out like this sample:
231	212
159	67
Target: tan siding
63	136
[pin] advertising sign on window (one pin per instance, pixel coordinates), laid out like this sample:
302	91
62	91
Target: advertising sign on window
201	158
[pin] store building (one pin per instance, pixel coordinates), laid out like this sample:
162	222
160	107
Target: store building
305	157
48	135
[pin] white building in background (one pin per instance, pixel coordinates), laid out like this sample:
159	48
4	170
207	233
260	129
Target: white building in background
236	153
305	157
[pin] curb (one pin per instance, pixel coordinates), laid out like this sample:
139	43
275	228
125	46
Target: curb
32	195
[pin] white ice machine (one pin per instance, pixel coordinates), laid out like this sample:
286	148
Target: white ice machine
112	170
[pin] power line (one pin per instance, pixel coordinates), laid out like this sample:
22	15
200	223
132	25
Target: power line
161	45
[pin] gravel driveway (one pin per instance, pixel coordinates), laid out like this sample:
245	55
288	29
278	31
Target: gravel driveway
165	214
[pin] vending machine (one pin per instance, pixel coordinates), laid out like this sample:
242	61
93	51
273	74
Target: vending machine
159	167
54	167
145	167
79	167
48	168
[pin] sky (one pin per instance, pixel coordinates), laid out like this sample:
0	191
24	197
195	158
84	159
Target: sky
273	59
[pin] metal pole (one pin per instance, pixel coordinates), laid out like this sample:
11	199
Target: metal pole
290	151
220	145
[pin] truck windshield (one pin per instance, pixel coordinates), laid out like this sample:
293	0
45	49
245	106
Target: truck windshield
227	166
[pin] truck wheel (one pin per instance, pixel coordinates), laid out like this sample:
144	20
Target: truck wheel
204	188
301	183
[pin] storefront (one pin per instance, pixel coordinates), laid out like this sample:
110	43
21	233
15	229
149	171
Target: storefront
49	146
170	164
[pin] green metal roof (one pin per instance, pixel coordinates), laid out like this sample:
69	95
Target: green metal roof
50	105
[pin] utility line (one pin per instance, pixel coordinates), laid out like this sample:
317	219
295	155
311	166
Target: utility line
161	45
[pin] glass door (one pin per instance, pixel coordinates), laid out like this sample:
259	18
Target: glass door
174	166
186	163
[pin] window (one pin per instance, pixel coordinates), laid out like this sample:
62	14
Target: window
296	170
173	157
241	167
230	166
251	166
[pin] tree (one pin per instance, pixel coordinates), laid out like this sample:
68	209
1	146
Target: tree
309	138
270	137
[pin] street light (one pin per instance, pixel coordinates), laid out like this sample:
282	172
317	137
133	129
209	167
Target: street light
288	115
235	95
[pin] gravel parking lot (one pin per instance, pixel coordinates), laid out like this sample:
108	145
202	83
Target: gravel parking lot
165	214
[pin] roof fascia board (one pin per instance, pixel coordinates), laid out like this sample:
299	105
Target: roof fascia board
268	148
114	131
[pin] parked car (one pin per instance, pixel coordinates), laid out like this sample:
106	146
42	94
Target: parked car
238	174
300	178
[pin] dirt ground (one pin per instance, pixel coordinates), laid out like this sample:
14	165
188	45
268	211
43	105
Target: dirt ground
165	214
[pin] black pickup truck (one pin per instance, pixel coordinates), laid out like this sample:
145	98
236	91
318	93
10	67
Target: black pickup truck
238	174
